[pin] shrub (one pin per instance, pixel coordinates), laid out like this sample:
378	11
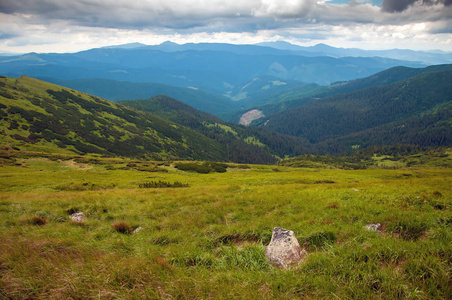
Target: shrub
324	181
84	186
204	168
162	184
122	227
218	167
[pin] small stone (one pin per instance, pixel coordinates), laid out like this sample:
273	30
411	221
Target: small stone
284	249
373	227
78	217
138	229
355	190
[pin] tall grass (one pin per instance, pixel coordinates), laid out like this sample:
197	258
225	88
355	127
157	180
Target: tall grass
207	241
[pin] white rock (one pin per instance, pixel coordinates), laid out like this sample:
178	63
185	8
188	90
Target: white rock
78	217
284	249
373	227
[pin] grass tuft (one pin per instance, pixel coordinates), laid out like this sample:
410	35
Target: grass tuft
72	210
332	205
320	239
122	227
437	194
36	220
409	229
241	237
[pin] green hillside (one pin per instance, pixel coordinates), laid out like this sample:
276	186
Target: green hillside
241	141
120	90
413	111
39	116
382	78
298	96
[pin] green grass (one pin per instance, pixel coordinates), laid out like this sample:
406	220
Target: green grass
207	240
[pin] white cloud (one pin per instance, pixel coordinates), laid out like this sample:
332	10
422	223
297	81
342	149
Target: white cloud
56	25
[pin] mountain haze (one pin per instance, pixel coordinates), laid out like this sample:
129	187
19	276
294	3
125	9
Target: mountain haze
114	90
426	57
221	69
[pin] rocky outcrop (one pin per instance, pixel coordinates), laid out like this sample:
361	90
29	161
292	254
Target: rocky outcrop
284	249
250	116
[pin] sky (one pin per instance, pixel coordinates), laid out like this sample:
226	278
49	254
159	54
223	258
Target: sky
45	26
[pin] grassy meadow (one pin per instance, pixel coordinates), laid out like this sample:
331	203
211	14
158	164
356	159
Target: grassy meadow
204	237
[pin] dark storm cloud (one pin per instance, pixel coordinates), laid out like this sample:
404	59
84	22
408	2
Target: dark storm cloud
393	6
396	5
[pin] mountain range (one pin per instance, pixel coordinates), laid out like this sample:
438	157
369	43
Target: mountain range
247	74
255	84
425	57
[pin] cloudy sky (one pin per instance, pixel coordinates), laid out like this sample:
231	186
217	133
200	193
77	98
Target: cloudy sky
74	25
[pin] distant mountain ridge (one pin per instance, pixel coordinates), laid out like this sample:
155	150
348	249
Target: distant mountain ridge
426	57
221	69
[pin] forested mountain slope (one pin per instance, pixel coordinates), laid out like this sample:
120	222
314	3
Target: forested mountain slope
298	96
397	111
243	139
39	116
382	78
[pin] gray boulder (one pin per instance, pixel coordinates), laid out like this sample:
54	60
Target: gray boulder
284	249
